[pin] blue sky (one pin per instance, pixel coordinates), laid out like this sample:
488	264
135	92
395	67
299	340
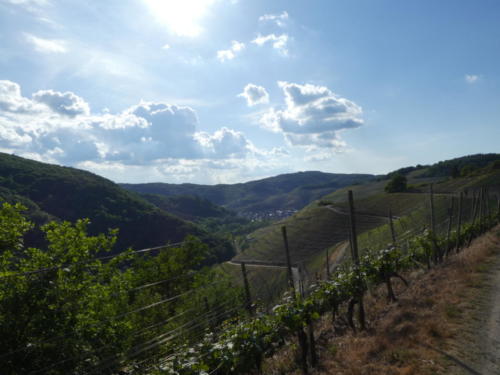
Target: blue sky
223	91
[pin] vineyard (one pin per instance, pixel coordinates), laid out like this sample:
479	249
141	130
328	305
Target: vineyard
159	311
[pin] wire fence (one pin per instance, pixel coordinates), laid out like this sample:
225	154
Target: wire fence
155	342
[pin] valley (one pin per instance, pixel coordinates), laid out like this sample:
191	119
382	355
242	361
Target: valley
199	271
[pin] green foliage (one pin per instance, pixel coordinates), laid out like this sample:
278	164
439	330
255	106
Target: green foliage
467	170
62	310
189	207
449	167
13	226
397	184
243	343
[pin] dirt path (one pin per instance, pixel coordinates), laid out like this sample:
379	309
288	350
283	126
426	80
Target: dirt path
478	342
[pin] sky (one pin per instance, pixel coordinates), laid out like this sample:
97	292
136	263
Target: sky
226	91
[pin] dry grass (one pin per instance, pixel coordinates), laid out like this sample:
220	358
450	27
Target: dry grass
412	335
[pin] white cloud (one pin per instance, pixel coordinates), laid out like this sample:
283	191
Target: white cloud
166	46
66	103
280	19
254	95
225	143
279	42
471	78
312	116
46	45
59	127
11	100
229	54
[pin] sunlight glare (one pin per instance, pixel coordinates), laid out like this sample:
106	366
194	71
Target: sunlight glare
182	17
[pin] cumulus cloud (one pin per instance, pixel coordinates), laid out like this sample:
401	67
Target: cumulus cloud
254	95
225	143
471	78
230	53
66	103
11	100
46	45
278	42
279	19
59	127
312	116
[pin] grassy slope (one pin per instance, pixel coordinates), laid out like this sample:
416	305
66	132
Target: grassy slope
317	227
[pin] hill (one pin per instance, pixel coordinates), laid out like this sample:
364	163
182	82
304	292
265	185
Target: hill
55	192
188	207
324	224
290	191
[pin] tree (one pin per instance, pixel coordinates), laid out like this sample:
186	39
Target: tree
396	184
64	310
467	170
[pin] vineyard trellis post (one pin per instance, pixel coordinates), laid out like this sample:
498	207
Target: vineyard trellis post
498	205
437	251
488	216
473	208
248	296
393	233
481	209
459	223
355	256
477	198
450	222
288	261
310	325
301	336
327	264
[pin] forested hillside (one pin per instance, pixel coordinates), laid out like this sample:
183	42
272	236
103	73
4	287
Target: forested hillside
54	192
286	191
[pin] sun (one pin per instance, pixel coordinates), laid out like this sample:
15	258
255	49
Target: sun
182	17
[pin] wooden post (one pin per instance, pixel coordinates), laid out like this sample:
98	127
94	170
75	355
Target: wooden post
312	344
355	255
473	208
433	221
393	234
474	216
450	220
301	336
459	223
437	251
327	265
288	262
353	237
311	347
248	297
481	209
488	212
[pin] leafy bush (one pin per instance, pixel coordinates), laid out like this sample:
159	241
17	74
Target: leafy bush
397	184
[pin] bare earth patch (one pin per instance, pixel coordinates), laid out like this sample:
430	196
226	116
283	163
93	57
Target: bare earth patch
446	322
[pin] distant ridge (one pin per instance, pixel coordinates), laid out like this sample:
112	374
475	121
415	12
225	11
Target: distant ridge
286	191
